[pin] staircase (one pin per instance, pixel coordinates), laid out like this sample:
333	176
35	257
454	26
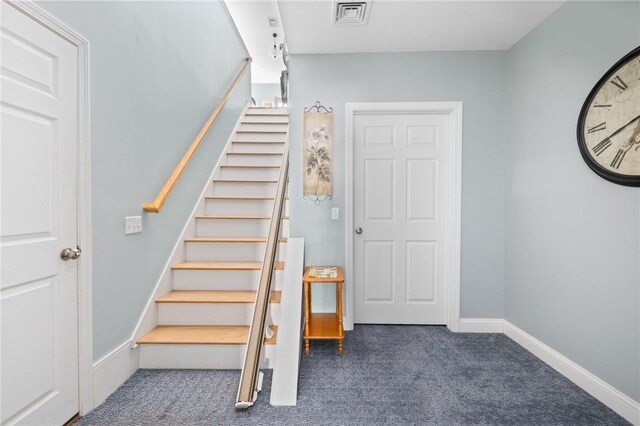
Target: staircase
204	321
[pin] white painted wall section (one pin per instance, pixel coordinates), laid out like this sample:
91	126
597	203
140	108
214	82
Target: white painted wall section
284	385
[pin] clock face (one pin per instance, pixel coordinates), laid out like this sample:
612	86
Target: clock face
609	123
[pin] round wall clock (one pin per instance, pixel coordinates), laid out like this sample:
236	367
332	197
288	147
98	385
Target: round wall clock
609	123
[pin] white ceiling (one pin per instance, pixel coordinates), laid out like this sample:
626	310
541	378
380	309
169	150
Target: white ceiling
250	18
413	26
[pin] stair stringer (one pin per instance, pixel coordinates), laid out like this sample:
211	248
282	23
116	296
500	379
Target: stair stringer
149	318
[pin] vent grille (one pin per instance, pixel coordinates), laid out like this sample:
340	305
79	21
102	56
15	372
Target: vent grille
351	13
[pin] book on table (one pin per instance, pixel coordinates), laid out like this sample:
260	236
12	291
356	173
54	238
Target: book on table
323	272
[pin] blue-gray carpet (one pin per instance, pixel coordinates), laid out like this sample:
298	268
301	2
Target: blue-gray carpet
388	375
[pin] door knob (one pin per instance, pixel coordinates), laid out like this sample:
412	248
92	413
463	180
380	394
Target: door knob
70	254
358	230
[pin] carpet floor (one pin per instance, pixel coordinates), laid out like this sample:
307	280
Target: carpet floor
388	375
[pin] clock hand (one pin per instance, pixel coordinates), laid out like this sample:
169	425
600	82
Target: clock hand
621	128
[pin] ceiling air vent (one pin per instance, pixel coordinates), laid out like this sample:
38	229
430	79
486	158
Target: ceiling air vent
351	13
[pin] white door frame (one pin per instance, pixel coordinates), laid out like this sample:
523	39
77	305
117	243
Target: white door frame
85	323
454	110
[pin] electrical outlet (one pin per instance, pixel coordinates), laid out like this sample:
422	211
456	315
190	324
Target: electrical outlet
335	213
132	225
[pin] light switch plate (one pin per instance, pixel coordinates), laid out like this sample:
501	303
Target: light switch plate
132	225
335	213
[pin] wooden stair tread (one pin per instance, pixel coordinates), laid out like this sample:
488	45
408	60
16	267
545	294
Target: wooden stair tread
233	217
222	266
255	153
201	335
247	166
264	122
260	142
238	217
230	240
245	181
262	131
238	197
215	296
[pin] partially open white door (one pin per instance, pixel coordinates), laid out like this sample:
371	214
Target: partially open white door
38	290
402	192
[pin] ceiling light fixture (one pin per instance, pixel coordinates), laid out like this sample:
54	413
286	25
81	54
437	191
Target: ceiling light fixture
275	51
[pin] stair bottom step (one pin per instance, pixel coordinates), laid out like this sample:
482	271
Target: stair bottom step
203	357
205	347
201	335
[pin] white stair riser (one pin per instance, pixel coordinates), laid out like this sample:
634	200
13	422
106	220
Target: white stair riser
254	160
232	228
237	228
221	280
265	127
212	313
265	119
200	356
241	189
257	147
248	173
239	207
211	252
267	111
260	137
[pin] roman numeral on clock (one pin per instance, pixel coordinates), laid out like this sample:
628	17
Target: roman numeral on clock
597	127
619	83
602	146
617	160
597	105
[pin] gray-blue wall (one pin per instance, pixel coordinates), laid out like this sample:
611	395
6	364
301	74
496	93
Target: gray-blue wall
546	243
262	91
572	276
158	69
475	78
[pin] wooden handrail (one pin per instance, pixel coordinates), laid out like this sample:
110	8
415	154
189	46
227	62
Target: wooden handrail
156	205
247	389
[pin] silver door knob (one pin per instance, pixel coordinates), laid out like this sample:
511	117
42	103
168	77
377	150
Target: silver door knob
70	254
358	230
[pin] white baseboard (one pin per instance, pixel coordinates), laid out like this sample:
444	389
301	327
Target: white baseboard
112	370
481	325
596	387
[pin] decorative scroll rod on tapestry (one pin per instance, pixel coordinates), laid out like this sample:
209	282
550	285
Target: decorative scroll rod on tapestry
317	106
318	153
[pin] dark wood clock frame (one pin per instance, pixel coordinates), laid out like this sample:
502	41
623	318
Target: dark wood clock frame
619	178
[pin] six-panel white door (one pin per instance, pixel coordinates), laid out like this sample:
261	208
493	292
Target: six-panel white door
38	291
401	195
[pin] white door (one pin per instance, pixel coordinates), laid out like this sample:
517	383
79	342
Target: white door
38	290
401	193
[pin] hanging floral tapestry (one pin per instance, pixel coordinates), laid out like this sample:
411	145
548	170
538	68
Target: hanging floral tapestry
318	147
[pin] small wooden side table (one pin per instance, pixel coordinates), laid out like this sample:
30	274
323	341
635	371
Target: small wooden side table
323	326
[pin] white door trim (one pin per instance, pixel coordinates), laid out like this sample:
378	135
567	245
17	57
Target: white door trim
454	110
85	323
